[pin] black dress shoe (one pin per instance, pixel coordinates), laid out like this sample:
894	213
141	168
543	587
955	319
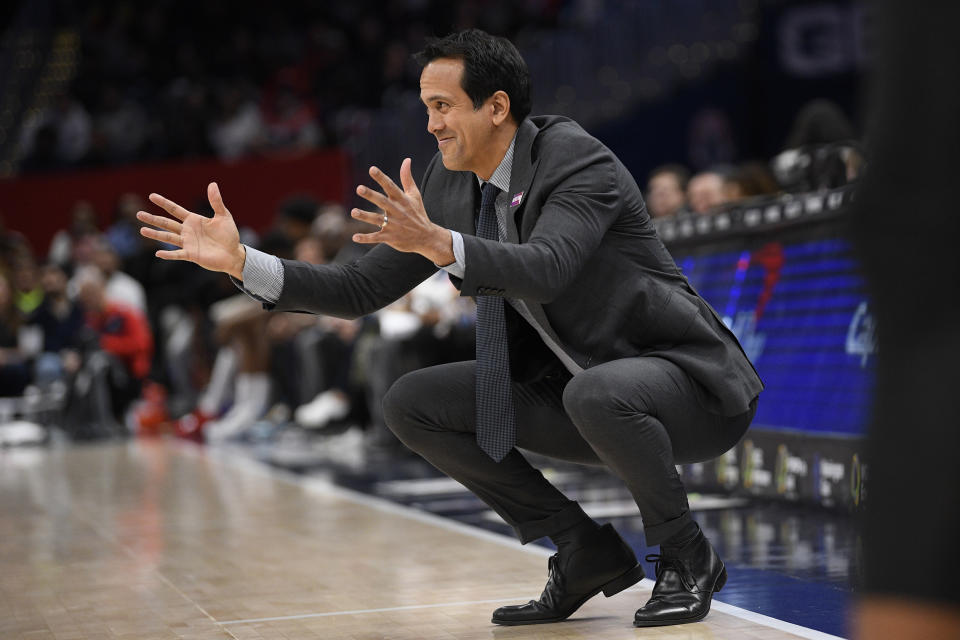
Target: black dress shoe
605	563
685	587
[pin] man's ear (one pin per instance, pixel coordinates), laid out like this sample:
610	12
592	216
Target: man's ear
500	105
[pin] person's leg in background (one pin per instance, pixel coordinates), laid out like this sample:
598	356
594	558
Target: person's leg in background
176	339
89	410
252	390
385	361
335	399
905	226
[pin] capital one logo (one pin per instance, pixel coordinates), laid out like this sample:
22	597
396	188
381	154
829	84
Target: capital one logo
822	39
771	259
861	335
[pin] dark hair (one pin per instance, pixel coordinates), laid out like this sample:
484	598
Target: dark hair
819	122
300	208
490	64
678	171
754	179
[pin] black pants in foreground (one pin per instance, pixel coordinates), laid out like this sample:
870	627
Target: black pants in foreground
637	416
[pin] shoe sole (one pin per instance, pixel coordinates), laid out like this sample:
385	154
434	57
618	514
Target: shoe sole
721	580
612	588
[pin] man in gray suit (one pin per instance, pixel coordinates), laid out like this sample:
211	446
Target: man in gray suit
591	344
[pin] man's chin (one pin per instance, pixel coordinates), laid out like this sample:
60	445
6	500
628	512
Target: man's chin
450	163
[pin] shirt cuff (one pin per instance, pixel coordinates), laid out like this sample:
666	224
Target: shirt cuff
262	276
459	265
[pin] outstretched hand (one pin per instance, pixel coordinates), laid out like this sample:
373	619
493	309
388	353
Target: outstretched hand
213	243
404	225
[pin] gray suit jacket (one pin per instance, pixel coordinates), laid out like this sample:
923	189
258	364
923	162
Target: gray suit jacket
582	253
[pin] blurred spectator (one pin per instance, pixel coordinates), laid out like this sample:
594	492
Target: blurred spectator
293	223
42	155
184	121
118	347
705	192
124	234
13	246
123	331
60	321
243	362
74	130
820	152
334	228
710	139
666	190
59	136
120	287
14	372
239	128
430	325
241	324
289	119
749	180
28	294
819	122
120	127
83	223
313	358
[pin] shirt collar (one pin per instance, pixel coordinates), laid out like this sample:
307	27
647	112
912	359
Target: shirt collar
501	175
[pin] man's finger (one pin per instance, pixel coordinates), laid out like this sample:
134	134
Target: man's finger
169	206
370	217
406	177
178	254
162	236
368	238
373	197
216	201
161	222
389	186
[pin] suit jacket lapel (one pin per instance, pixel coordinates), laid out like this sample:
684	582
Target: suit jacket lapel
521	175
462	201
521	178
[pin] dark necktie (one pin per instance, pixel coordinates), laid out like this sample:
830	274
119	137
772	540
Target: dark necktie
496	421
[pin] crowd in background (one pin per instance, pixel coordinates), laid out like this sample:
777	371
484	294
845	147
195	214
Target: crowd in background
125	342
152	82
820	153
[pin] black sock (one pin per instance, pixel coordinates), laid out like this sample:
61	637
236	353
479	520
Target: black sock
682	541
576	535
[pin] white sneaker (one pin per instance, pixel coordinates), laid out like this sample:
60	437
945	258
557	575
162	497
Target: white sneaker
253	394
328	406
21	432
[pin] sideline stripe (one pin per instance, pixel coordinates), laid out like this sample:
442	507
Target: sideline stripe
767	621
385	609
324	486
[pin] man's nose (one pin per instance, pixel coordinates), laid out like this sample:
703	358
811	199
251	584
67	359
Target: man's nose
434	123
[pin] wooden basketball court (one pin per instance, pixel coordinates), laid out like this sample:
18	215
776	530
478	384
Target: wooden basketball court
159	539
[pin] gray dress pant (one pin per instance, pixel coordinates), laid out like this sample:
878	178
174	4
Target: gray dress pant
637	416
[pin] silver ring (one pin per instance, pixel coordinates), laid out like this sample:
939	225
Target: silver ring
385	221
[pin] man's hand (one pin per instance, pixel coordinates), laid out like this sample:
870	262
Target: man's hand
213	243
404	225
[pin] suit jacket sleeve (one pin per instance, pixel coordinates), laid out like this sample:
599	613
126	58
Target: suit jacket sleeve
583	202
